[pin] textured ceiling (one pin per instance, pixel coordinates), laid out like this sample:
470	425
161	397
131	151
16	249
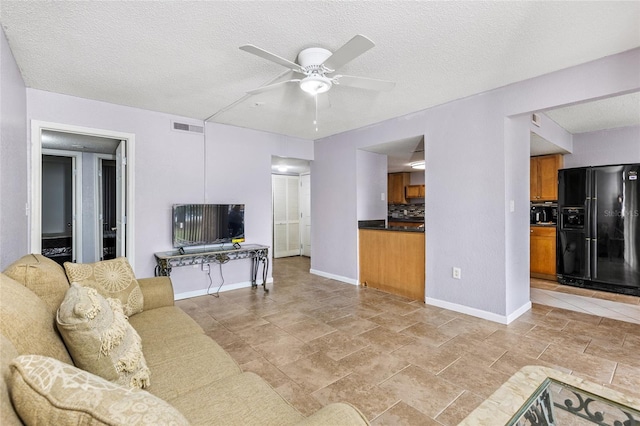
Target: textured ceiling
610	113
183	58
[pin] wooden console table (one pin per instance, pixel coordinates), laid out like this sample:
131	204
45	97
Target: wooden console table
258	254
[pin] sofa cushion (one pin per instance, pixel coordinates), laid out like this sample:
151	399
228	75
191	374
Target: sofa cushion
28	323
46	391
243	399
100	339
8	416
41	275
164	323
112	279
179	364
157	292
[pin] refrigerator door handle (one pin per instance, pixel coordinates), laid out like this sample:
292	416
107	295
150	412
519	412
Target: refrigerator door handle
587	257
593	274
593	224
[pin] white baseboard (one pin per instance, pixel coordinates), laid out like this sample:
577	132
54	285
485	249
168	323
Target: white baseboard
502	319
334	277
213	289
521	310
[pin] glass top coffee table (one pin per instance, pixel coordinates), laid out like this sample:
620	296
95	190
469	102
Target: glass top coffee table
540	396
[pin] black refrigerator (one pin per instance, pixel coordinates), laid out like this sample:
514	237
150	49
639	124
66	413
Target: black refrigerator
599	228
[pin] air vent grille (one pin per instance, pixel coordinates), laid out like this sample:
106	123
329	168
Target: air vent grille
535	119
184	127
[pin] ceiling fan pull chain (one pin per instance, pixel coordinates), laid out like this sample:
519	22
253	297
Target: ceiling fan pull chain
315	121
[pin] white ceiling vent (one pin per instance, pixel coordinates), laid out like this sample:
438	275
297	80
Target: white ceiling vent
535	119
184	127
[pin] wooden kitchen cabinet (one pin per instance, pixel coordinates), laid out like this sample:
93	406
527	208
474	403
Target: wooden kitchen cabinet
393	261
396	183
414	191
542	254
543	183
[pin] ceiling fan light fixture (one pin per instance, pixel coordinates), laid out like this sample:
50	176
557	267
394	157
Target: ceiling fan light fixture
315	84
419	165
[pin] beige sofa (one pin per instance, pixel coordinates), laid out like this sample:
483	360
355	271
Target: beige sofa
189	370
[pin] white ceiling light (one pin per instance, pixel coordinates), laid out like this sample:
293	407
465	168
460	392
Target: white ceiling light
282	168
417	165
315	84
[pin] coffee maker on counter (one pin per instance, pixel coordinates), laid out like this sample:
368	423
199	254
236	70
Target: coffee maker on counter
544	213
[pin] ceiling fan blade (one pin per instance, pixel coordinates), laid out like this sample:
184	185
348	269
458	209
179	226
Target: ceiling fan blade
364	83
349	51
271	57
271	87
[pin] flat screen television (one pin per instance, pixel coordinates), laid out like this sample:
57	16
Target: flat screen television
202	224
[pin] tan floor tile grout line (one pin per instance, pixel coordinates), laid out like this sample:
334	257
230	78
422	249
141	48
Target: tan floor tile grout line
499	358
450	404
389	408
450	364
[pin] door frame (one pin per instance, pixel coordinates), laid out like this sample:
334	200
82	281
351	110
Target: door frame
99	232
303	220
35	209
76	206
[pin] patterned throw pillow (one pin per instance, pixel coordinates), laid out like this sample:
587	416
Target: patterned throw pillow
112	278
41	275
100	339
47	391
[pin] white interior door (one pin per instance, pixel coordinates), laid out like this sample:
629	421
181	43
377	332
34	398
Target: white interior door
100	208
305	208
286	216
76	244
121	199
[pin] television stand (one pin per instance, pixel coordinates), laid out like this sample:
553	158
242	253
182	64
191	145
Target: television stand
259	254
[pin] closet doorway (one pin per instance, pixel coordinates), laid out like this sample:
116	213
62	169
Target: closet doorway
291	203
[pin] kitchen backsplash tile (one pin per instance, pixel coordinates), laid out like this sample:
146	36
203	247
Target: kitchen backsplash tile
413	210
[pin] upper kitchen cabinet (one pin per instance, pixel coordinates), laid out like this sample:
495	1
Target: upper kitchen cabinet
414	191
543	185
396	183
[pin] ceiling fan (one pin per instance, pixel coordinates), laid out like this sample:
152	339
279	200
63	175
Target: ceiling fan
314	72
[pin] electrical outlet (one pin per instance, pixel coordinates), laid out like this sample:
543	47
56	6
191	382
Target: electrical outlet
457	273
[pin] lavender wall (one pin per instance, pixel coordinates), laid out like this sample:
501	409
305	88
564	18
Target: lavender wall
612	146
177	167
477	165
334	230
551	131
13	158
371	171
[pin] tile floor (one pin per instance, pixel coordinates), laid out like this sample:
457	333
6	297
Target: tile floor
600	303
317	341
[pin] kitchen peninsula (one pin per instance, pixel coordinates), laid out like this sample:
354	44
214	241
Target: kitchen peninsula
392	258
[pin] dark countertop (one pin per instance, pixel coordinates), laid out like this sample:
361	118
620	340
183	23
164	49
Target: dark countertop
544	224
393	228
416	219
